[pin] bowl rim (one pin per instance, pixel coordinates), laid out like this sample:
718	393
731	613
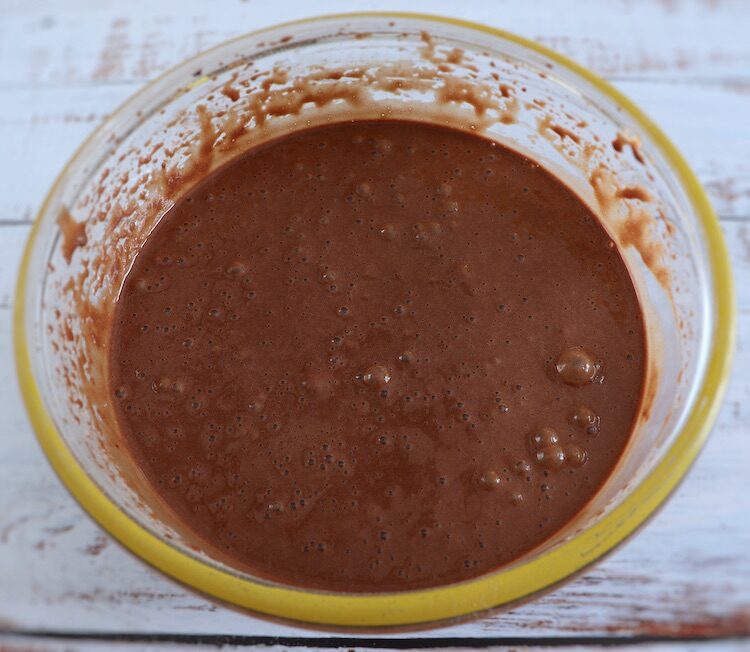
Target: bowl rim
426	606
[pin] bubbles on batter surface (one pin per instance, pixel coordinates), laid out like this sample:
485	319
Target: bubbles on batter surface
364	190
166	384
522	467
320	383
388	231
327	276
576	366
545	437
236	269
516	497
445	189
576	455
490	480
426	232
152	285
550	454
406	357
551	457
371	383
376	376
586	419
383	145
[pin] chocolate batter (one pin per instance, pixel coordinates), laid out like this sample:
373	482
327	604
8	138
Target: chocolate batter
378	356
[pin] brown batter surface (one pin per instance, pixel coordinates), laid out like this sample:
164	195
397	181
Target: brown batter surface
378	356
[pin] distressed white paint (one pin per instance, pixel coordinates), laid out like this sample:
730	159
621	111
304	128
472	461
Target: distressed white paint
686	63
112	40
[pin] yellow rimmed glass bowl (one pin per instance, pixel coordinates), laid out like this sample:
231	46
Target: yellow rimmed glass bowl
416	66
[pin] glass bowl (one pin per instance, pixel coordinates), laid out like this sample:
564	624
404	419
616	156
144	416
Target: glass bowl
130	170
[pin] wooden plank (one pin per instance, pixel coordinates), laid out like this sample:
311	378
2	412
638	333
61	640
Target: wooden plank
41	127
686	574
65	66
35	644
118	40
202	644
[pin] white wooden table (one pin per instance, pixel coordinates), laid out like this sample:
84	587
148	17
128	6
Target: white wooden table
65	585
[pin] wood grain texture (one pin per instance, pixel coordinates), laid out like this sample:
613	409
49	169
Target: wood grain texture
686	574
63	67
113	41
61	100
37	644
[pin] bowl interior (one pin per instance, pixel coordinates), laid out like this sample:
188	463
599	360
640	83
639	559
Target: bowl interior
208	110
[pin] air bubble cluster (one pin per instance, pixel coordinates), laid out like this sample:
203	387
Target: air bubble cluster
551	454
